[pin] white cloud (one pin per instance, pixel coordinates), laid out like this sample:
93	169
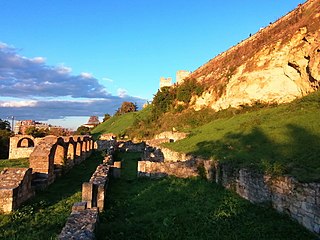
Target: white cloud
15	104
30	89
22	77
86	75
38	60
122	92
107	79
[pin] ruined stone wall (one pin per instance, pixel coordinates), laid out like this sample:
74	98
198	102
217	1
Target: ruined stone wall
171	135
15	188
105	144
299	200
81	224
83	220
184	169
21	146
129	146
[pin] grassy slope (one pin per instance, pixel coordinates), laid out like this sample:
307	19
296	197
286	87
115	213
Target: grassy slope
44	216
283	139
174	208
14	163
120	124
116	124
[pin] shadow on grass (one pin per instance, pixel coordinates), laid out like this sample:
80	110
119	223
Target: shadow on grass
44	216
173	208
297	154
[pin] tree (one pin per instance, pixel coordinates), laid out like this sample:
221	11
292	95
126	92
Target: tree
82	130
106	117
126	107
36	132
4	125
5	135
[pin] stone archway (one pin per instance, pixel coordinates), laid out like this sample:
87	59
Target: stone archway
25	142
59	156
21	146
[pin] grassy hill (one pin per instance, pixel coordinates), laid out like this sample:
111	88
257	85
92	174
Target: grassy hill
120	125
282	139
279	140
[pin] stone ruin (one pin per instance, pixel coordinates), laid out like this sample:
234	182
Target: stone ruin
301	201
49	157
15	188
83	220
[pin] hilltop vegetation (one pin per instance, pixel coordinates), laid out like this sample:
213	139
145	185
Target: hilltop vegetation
282	139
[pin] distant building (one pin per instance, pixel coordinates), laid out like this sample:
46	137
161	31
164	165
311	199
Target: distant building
21	127
165	82
92	122
181	75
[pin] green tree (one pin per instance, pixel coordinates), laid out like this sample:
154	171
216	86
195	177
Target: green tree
163	100
4	125
187	89
106	117
5	135
82	130
36	132
127	107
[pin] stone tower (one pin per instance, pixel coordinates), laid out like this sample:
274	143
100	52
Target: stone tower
165	82
181	75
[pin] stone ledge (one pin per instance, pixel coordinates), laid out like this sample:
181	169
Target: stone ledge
80	224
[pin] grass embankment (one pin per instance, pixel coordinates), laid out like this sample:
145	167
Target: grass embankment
44	216
14	163
116	125
173	208
278	140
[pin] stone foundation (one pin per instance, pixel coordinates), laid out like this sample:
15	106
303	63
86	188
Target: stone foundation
15	188
84	219
81	224
301	201
94	191
161	169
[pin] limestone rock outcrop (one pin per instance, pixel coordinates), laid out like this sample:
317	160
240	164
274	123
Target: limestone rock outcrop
276	65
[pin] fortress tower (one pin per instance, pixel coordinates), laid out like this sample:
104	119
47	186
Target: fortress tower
181	75
165	82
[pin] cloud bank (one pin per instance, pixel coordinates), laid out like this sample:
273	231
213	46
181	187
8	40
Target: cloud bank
32	85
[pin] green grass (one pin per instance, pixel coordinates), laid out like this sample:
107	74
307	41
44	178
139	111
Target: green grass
120	125
116	125
174	208
44	216
14	163
279	140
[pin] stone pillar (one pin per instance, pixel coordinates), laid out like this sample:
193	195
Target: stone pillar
87	194
116	170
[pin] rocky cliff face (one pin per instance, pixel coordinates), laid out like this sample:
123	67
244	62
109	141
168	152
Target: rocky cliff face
278	64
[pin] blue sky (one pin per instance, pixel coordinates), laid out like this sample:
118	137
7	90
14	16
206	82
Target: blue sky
66	58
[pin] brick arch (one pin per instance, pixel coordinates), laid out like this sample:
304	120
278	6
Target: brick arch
25	142
53	153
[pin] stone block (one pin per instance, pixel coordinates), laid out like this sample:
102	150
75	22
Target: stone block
87	193
79	206
101	194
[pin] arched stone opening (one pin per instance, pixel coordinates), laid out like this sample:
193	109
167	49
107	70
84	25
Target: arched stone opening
70	154
25	143
59	156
